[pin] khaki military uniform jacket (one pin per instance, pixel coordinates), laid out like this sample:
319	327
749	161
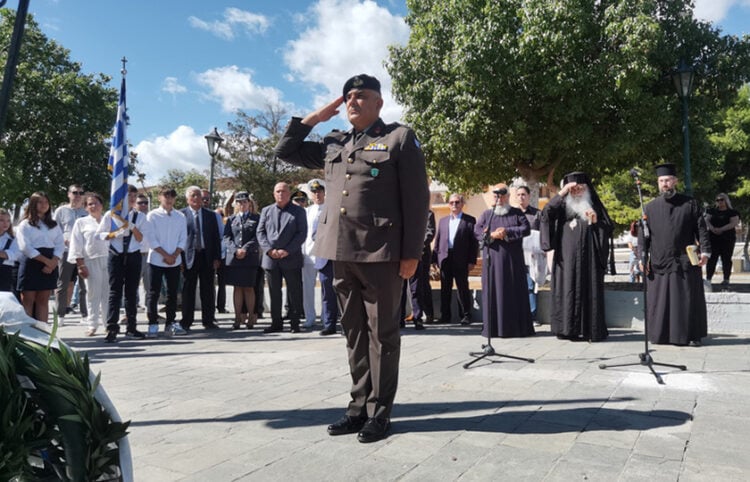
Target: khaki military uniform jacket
377	196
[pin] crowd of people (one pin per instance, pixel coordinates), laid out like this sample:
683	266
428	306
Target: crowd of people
367	238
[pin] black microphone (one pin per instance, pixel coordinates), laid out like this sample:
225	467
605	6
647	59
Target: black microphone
634	173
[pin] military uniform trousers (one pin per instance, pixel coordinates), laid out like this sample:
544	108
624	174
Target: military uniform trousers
370	295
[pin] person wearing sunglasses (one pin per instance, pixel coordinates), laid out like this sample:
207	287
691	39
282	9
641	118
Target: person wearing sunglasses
65	216
502	228
456	254
721	221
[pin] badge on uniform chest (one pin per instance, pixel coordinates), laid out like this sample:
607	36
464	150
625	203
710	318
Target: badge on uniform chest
374	172
375	147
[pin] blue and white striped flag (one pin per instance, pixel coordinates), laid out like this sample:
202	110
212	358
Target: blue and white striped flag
118	166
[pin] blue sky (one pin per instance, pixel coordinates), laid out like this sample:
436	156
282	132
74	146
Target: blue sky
192	64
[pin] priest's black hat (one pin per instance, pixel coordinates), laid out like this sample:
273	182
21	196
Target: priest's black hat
577	177
362	81
666	170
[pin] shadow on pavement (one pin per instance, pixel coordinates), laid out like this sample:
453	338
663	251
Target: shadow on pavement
441	417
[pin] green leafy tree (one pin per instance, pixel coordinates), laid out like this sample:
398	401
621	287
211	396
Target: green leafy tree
248	154
498	88
59	121
180	180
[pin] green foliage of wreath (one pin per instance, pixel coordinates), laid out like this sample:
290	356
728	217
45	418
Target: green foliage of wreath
51	426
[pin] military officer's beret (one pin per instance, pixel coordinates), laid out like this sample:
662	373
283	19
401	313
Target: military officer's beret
362	81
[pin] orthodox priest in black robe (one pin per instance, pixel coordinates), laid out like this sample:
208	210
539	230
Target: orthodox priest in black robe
676	304
578	228
505	300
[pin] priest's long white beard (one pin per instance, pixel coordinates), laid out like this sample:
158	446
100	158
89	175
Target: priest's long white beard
577	206
501	210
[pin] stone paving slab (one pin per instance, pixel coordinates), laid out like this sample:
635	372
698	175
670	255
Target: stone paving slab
243	406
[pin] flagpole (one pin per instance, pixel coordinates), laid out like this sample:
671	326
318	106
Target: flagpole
118	164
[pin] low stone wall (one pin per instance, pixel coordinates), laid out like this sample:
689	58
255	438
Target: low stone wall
728	312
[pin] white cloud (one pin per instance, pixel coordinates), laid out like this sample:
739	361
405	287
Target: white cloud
183	149
716	10
234	89
234	20
172	86
346	38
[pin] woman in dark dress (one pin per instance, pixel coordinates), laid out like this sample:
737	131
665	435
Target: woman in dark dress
243	259
41	241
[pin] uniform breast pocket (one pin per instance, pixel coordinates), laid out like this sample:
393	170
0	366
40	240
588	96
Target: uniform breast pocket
378	164
332	159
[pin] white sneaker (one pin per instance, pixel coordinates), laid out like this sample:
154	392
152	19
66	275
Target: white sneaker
177	329
153	331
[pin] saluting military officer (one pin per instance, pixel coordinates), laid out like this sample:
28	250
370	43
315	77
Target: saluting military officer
372	227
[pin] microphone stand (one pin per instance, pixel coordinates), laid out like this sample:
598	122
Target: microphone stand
645	358
488	350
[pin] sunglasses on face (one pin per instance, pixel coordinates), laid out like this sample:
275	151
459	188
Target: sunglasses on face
454	202
720	200
78	193
142	203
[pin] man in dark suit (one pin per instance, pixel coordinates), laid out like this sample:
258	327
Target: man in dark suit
200	260
281	231
372	227
456	254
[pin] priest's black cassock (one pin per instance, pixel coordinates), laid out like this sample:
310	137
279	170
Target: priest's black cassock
505	298
578	268
676	304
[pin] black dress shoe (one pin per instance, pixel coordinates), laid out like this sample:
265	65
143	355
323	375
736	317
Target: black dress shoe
211	326
346	424
466	321
418	325
327	331
222	310
273	329
375	429
294	329
111	336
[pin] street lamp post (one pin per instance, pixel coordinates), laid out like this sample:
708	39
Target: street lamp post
683	82
214	140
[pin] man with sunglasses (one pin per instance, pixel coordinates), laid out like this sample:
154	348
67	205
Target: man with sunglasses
456	254
66	216
505	304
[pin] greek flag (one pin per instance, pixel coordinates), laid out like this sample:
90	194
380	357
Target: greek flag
118	166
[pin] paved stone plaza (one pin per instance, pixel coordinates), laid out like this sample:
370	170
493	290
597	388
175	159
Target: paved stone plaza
246	406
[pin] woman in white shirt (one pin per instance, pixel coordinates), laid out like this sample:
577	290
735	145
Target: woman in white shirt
90	254
9	252
41	242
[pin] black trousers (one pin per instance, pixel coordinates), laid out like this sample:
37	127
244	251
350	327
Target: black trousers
293	278
124	275
202	270
172	276
221	288
720	250
451	271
